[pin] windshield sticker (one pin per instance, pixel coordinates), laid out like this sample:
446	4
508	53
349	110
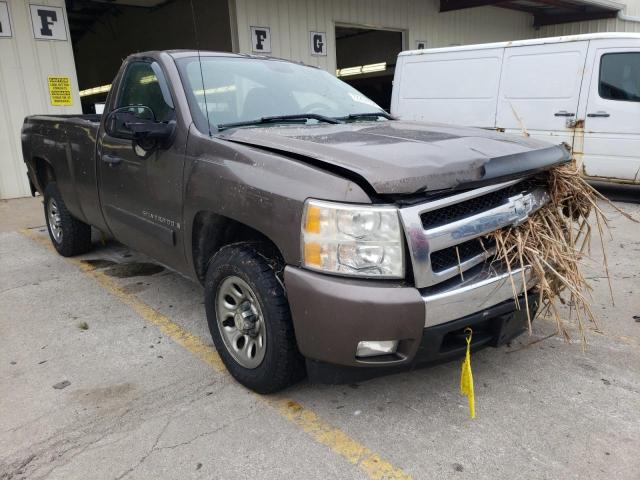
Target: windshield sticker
361	99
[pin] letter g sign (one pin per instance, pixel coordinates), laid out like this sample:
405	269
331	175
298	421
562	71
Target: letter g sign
318	43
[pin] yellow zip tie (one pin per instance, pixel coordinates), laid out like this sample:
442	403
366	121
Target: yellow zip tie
466	377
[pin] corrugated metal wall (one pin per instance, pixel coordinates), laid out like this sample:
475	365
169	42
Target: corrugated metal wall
25	64
593	26
612	25
292	20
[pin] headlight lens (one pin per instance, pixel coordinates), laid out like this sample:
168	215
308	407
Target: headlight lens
354	240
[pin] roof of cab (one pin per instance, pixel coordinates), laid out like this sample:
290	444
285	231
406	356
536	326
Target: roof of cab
522	43
202	53
181	53
206	53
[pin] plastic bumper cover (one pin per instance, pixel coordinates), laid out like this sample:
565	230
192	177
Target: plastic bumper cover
332	314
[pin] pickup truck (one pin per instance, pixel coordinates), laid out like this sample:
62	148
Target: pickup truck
331	239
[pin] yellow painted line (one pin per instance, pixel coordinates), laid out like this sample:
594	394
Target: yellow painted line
374	466
175	332
339	442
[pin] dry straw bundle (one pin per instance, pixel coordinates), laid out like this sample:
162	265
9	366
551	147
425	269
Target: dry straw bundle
555	241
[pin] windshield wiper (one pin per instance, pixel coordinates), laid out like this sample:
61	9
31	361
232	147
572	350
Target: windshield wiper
280	118
355	116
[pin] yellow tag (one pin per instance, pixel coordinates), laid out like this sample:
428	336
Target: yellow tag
60	91
466	377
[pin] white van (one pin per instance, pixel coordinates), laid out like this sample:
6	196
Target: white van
583	90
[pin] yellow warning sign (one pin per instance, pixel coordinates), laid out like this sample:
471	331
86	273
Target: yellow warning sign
60	91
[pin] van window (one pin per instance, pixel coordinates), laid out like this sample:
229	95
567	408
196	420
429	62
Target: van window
620	76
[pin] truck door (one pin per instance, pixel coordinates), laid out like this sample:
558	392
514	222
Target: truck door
141	192
540	89
611	147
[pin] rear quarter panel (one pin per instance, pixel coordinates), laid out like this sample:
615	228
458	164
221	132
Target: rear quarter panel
81	164
67	144
46	138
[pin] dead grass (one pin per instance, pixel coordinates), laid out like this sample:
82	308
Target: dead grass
555	241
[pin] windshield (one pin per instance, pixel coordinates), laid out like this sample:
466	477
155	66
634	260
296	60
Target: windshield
248	89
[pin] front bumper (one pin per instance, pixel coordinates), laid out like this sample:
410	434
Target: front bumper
441	343
481	288
332	314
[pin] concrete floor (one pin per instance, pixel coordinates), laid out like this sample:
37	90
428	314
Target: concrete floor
20	213
146	397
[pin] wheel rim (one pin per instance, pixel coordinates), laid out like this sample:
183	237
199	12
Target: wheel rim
240	322
55	222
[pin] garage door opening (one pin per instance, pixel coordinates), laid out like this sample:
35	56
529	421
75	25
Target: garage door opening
366	58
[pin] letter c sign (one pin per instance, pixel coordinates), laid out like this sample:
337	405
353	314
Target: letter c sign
318	43
48	22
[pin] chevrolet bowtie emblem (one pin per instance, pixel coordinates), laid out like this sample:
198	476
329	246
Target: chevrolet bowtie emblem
522	206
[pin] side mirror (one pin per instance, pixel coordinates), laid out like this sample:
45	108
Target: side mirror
138	124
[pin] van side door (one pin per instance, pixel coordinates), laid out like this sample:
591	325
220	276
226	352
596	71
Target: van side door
611	149
540	89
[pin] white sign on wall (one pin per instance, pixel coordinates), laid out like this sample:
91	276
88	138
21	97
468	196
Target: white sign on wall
261	39
318	43
48	22
5	20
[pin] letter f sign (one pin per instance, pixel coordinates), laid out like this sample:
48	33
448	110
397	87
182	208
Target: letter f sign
47	18
261	39
260	36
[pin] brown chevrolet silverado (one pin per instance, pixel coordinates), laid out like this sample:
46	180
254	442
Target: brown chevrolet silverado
329	237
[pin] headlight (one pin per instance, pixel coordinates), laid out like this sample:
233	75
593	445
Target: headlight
363	241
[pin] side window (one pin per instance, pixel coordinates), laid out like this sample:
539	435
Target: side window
620	76
144	84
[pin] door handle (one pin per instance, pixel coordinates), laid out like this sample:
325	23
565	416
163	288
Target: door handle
111	160
564	113
598	114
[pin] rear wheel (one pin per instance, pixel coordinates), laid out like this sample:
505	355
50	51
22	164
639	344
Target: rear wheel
69	235
249	320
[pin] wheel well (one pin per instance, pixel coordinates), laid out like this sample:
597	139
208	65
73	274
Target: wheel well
44	173
211	232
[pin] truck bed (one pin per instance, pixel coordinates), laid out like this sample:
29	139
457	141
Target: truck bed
67	143
93	117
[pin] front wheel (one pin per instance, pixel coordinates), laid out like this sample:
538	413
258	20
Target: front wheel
69	235
249	320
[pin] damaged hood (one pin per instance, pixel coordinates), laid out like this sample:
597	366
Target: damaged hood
397	157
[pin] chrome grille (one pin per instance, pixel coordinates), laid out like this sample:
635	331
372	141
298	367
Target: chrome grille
482	203
448	257
434	229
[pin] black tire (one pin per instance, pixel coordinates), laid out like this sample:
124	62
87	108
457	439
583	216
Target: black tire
75	237
282	364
